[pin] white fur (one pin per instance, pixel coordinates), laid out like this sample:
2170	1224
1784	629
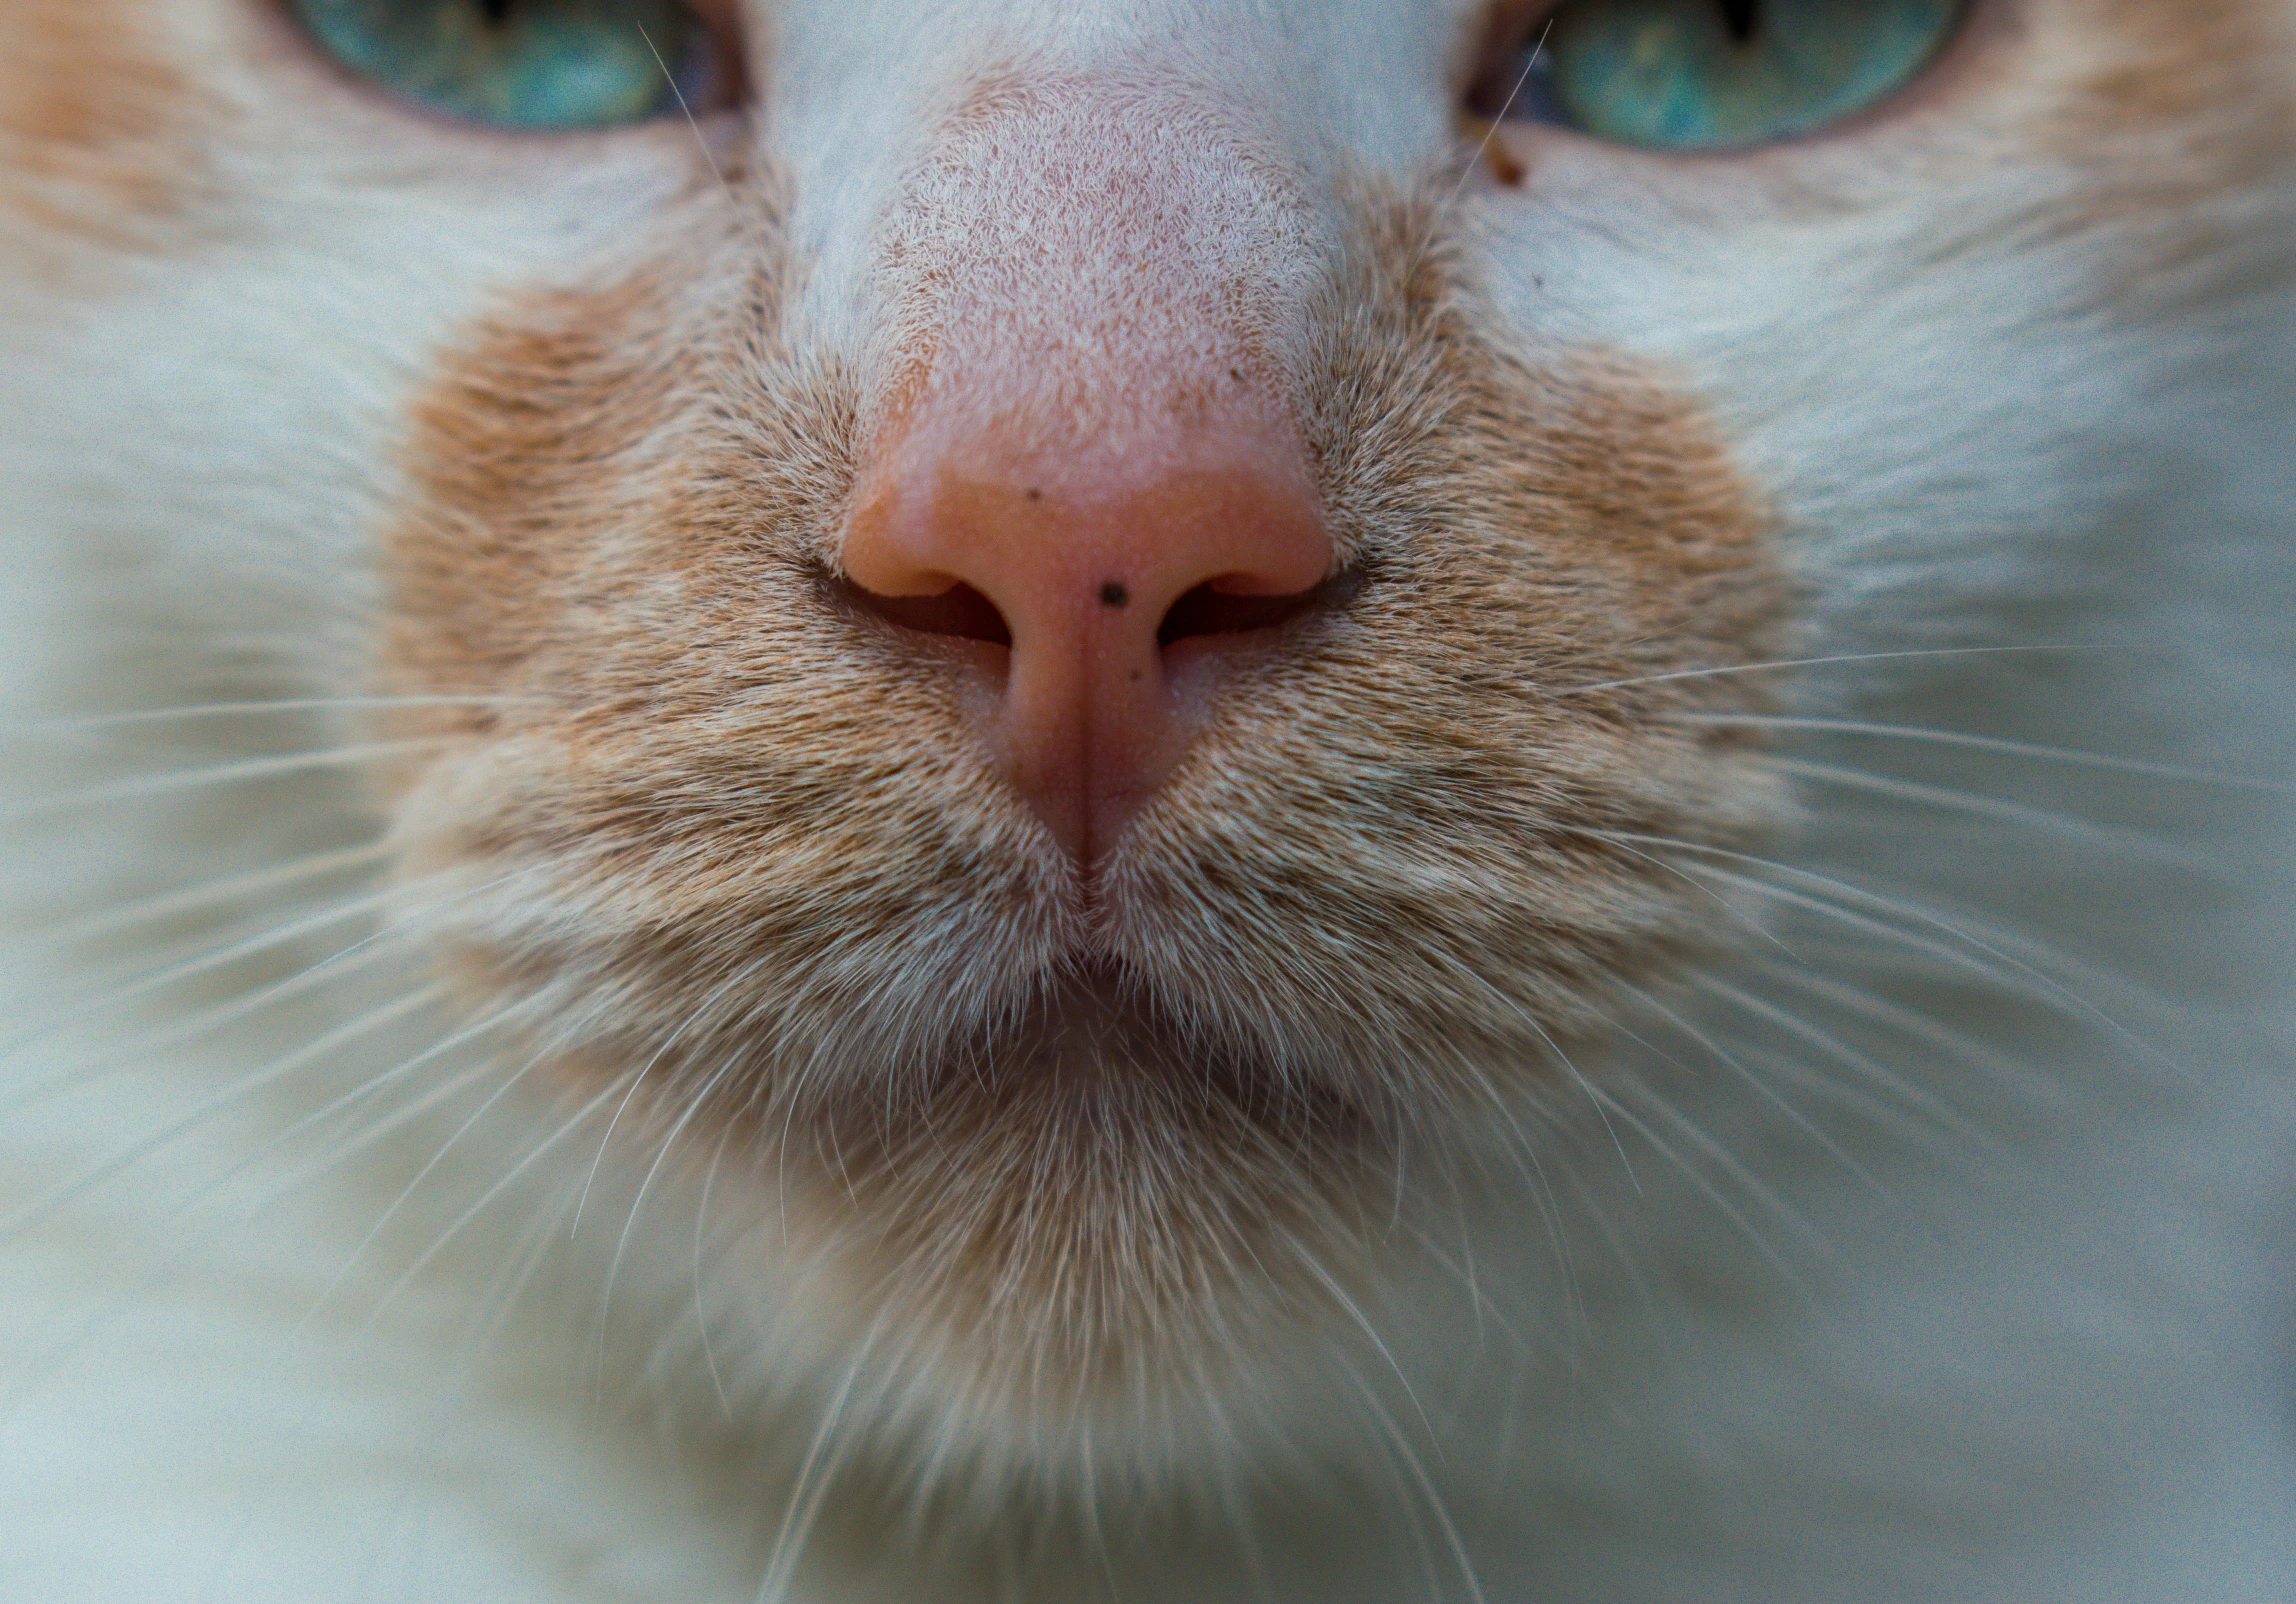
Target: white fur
1734	1341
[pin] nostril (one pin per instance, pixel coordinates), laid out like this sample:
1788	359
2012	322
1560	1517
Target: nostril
1208	610
960	611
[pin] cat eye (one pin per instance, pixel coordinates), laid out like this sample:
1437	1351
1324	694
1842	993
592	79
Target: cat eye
526	64
1712	74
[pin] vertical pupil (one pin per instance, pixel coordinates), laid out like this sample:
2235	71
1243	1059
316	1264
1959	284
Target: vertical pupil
1739	16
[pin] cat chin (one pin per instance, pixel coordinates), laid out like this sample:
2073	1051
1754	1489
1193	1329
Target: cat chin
1085	1246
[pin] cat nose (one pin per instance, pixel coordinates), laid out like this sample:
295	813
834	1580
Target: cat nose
1121	575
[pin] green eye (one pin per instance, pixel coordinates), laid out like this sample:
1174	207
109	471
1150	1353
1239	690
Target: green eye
522	63
1712	74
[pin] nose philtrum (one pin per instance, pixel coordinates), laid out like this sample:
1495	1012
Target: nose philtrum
1101	569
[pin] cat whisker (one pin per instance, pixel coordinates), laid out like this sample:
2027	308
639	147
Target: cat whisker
519	1265
143	787
375	1018
1739	916
373	1134
1731	1167
1406	1483
195	1025
1962	952
1354	1312
1920	1027
1762	1088
676	89
190	899
502	1184
1894	906
1491	133
493	1308
1588	1087
1736	670
1620	1255
1462	1270
701	1306
2047	821
823	1457
700	1010
245	1007
1408	1458
1523	1150
98	723
1905	1091
695	1103
379	1130
2103	762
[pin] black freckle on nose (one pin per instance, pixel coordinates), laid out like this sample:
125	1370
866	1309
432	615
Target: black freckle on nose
1114	595
1035	494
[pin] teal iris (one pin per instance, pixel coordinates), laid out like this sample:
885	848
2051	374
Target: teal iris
1677	74
519	63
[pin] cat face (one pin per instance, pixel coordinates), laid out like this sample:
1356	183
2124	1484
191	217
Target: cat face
1075	628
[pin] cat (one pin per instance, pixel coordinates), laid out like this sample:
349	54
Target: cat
1185	800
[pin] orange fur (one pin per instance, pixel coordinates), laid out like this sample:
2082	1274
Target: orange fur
2168	113
102	134
791	858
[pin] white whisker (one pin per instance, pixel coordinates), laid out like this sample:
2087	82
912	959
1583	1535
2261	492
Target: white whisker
1879	1074
701	1305
252	709
1847	659
694	1105
822	1459
379	1130
692	122
144	787
1976	804
414	1184
1483	149
219	958
2103	762
700	1010
1762	1089
1896	907
1435	1503
193	898
238	1092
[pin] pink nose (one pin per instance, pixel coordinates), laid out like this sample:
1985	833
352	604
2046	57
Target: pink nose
1112	576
